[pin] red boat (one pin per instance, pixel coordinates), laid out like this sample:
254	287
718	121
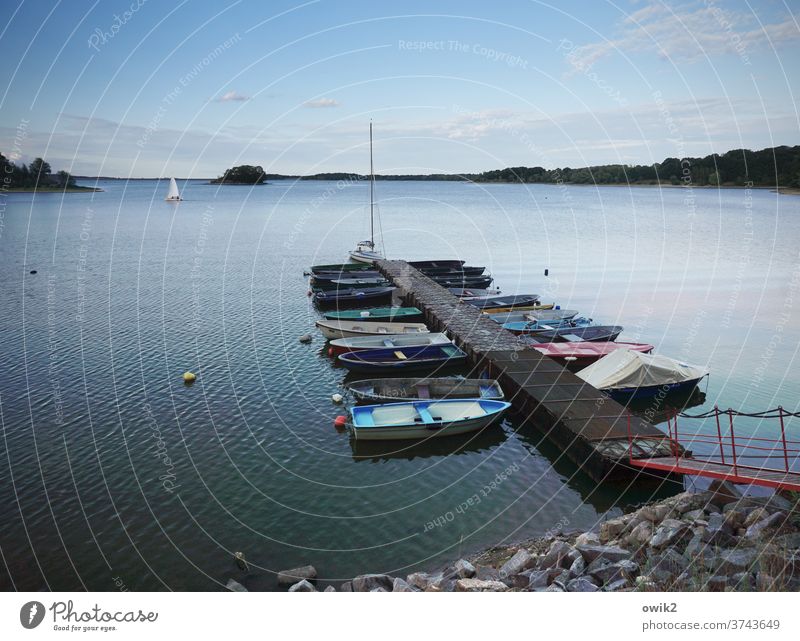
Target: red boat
580	354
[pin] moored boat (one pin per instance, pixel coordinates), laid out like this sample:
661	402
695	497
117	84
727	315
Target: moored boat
534	327
339	268
433	264
570	334
481	282
423	419
402	358
378	314
343	345
340	297
472	292
629	375
333	329
493	302
317	279
366	251
581	354
546	316
415	389
455	271
524	308
350	283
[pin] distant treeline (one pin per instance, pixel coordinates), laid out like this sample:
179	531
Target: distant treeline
36	175
773	167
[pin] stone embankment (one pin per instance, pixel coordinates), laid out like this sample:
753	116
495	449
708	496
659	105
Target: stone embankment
707	541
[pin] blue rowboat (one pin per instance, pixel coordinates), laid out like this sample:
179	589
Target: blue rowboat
390	359
522	328
423	419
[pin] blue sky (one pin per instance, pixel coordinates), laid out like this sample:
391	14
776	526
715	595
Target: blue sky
150	88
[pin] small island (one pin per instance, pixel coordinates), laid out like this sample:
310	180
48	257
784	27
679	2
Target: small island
36	177
241	175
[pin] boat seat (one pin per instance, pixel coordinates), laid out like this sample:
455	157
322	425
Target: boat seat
425	415
572	337
388	342
397	415
456	411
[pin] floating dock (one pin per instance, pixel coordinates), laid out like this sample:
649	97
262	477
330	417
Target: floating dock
594	431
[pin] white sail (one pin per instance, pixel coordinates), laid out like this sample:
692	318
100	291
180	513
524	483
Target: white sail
173	193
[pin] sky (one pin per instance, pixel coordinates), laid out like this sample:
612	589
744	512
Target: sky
142	88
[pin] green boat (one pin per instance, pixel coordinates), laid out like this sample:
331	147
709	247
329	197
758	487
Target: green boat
352	282
343	267
410	314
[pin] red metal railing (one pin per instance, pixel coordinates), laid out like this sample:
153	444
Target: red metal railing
729	449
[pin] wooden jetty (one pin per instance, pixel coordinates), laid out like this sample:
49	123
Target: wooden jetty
594	431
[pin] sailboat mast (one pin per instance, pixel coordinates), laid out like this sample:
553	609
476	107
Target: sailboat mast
371	191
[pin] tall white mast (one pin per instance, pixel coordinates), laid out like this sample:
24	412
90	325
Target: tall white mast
371	191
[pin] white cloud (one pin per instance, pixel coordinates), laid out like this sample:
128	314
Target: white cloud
688	33
232	96
322	103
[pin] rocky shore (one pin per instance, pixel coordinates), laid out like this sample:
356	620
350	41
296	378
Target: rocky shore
709	541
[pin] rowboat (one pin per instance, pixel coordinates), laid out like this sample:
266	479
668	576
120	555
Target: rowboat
467	281
402	358
433	264
317	279
377	314
542	315
629	375
473	293
524	308
457	271
333	329
343	345
349	283
493	302
338	268
353	296
533	327
416	389
590	334
579	355
423	419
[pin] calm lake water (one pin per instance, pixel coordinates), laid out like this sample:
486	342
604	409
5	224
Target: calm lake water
132	291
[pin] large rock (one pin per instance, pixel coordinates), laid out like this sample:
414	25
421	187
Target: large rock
533	579
587	538
759	529
640	535
670	562
654	513
606	572
399	585
347	586
557	556
610	530
368	582
756	515
421	580
235	586
476	585
578	567
735	561
718	531
723	492
486	573
303	586
607	552
464	569
520	562
581	584
670	532
330	588
289	577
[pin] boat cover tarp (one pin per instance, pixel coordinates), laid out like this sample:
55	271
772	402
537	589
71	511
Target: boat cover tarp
624	368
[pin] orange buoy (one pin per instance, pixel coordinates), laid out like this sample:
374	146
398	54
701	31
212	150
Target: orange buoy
339	422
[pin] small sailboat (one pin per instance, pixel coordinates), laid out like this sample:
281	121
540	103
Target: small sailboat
365	251
173	195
